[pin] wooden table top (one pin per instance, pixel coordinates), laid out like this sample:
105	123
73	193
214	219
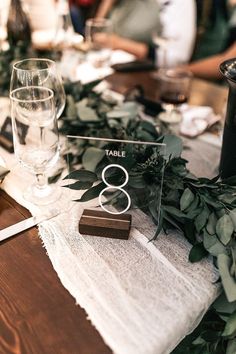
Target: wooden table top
37	314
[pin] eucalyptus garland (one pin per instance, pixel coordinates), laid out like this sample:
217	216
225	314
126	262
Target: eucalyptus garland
203	209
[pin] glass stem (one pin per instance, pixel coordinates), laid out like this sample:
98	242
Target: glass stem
41	181
170	108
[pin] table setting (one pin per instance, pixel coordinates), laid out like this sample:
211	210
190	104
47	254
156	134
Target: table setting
144	294
136	262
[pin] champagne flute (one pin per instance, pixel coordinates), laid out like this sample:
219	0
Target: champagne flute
39	72
36	140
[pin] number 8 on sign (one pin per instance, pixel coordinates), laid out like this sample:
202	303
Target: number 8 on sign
111	186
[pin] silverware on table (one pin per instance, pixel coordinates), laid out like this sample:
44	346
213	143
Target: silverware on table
25	225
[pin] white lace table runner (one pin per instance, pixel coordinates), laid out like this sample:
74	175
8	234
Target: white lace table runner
142	297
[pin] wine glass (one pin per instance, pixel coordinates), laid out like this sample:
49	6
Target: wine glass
163	44
36	140
64	31
174	90
98	38
39	72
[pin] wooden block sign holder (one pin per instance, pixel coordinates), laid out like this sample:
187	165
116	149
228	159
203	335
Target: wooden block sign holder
103	224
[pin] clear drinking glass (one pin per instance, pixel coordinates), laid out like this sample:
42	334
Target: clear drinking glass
64	31
36	141
98	38
174	89
39	72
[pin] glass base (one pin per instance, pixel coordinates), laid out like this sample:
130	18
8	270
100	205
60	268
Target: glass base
171	117
172	120
42	196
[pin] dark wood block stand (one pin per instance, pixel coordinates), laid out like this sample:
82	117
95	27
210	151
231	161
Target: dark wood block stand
104	224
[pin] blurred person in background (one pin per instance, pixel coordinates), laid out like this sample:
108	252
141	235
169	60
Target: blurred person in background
41	13
212	28
80	11
137	22
208	67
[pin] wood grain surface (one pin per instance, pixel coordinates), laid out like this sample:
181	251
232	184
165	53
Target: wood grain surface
202	92
37	314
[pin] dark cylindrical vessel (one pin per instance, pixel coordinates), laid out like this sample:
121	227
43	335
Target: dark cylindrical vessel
228	151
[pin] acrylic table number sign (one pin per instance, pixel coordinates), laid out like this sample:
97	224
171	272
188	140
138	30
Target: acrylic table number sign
112	178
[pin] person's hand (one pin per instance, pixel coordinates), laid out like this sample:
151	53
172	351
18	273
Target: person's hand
113	41
104	40
232	2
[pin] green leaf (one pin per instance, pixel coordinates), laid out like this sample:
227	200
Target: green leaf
199	341
79	185
86	113
149	127
230	327
231	347
194	209
3	172
174	145
174	211
224	229
202	218
82	175
222	305
211	224
212	202
215	179
92	157
190	232
233	266
230	181
136	181
126	110
232	215
210	336
71	111
56	176
92	193
227	198
212	244
171	221
197	253
159	226
229	283
209	240
117	114
186	199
